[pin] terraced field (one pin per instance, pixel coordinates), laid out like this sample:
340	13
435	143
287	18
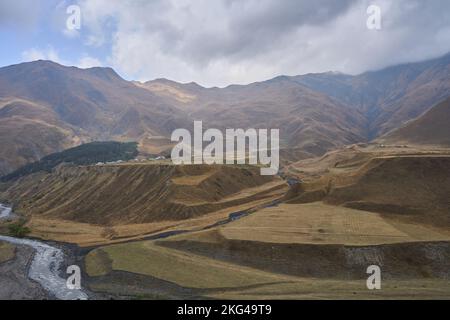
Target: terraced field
91	205
319	223
205	265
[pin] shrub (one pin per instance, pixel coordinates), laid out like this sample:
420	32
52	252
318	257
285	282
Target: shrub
18	229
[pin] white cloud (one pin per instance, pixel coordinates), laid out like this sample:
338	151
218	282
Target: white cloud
220	42
228	41
34	54
89	62
50	53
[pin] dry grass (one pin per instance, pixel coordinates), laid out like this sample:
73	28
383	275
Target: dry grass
349	159
407	184
98	263
136	193
314	289
186	270
318	223
86	235
227	280
167	90
7	251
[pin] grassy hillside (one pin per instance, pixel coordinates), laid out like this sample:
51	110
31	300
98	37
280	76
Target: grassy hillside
28	132
206	264
433	128
138	192
46	108
416	187
411	183
85	154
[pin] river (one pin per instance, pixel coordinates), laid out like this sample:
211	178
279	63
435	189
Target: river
47	261
46	265
5	211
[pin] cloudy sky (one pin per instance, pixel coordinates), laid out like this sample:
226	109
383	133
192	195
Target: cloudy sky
219	42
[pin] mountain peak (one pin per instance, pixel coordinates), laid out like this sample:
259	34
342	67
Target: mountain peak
105	73
190	85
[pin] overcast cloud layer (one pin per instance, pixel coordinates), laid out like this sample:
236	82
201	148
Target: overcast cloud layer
219	42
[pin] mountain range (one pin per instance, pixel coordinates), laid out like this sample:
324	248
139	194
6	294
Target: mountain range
46	107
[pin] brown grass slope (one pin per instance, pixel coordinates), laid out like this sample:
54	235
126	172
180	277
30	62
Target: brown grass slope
29	131
390	97
433	128
78	105
124	194
97	100
412	183
415	186
332	261
308	120
236	270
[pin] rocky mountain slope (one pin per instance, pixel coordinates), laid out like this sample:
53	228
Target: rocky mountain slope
390	97
46	107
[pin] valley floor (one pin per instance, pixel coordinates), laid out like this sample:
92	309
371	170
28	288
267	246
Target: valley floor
155	272
310	251
315	240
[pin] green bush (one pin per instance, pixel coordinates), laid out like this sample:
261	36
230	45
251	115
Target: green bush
18	229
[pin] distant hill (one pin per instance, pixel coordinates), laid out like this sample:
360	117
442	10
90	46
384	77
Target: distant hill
317	112
85	154
433	128
30	131
390	97
46	107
